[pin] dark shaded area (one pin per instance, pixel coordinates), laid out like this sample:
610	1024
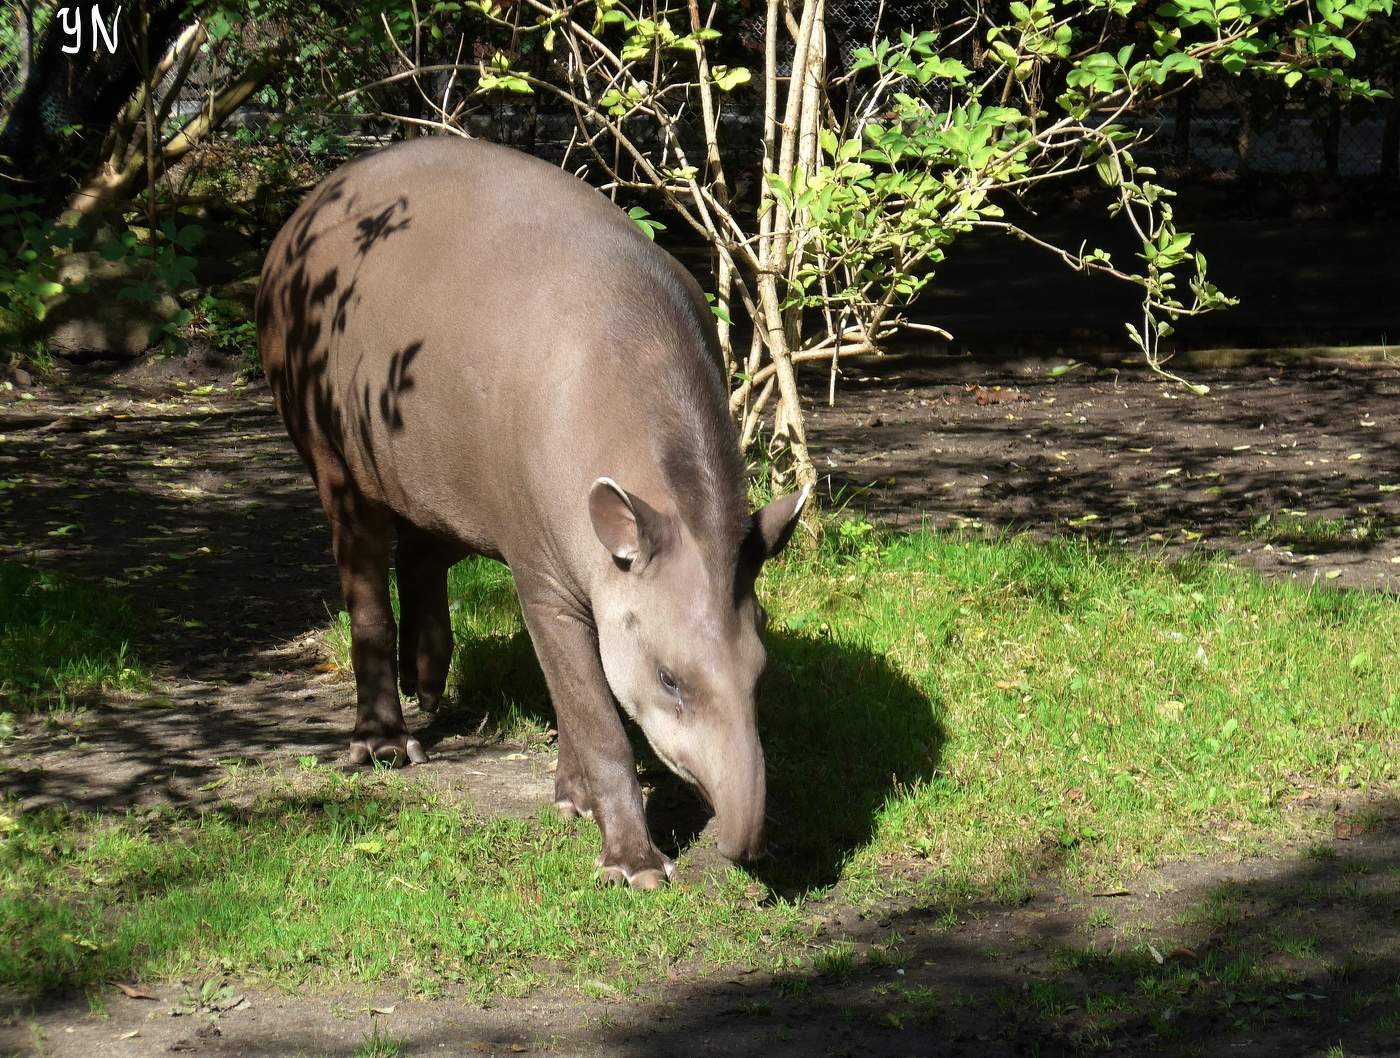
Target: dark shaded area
823	794
1267	958
1314	281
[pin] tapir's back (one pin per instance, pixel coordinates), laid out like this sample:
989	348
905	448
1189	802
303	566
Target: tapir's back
446	302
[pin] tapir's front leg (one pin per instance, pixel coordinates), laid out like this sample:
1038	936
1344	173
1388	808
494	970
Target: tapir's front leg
567	647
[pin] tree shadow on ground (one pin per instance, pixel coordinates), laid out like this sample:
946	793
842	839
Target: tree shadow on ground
1263	958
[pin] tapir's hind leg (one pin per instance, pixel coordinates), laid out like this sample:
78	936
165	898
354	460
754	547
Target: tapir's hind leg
425	625
360	532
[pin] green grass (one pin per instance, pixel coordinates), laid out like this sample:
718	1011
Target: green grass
944	718
378	1044
60	637
1304	532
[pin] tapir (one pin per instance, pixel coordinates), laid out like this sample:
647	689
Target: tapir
476	353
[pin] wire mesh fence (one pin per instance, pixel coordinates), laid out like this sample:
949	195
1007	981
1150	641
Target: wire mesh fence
1228	128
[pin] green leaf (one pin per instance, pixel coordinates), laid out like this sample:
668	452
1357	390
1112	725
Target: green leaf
217	26
719	310
643	220
727	79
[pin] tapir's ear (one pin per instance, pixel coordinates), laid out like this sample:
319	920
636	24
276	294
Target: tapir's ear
626	525
773	525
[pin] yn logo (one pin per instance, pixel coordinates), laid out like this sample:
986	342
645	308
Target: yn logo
71	19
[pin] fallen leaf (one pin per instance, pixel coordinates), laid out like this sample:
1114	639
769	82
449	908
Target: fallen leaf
134	992
130	1035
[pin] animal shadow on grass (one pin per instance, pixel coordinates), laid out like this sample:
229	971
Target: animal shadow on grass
842	730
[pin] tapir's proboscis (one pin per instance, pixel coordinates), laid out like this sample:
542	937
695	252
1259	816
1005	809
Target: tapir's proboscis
478	354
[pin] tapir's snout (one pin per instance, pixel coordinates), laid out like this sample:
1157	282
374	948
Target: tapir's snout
739	795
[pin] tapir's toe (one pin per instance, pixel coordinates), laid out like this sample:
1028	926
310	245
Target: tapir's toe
648	879
645	878
569	810
612	876
398	751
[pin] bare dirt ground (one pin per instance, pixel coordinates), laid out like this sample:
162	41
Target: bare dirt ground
1129	458
177	485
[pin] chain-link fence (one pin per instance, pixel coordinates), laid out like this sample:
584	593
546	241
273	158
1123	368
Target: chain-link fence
1228	128
1223	128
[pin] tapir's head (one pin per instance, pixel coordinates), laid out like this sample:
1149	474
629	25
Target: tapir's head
678	630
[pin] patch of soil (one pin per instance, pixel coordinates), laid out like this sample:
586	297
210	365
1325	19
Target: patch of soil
202	364
1128	458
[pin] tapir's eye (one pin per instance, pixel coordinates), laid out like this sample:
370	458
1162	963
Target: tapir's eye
668	682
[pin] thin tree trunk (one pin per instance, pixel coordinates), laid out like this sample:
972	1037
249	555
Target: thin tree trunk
24	14
789	431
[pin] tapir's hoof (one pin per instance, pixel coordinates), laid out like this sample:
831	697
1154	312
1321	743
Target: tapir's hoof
646	878
397	752
569	810
429	703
